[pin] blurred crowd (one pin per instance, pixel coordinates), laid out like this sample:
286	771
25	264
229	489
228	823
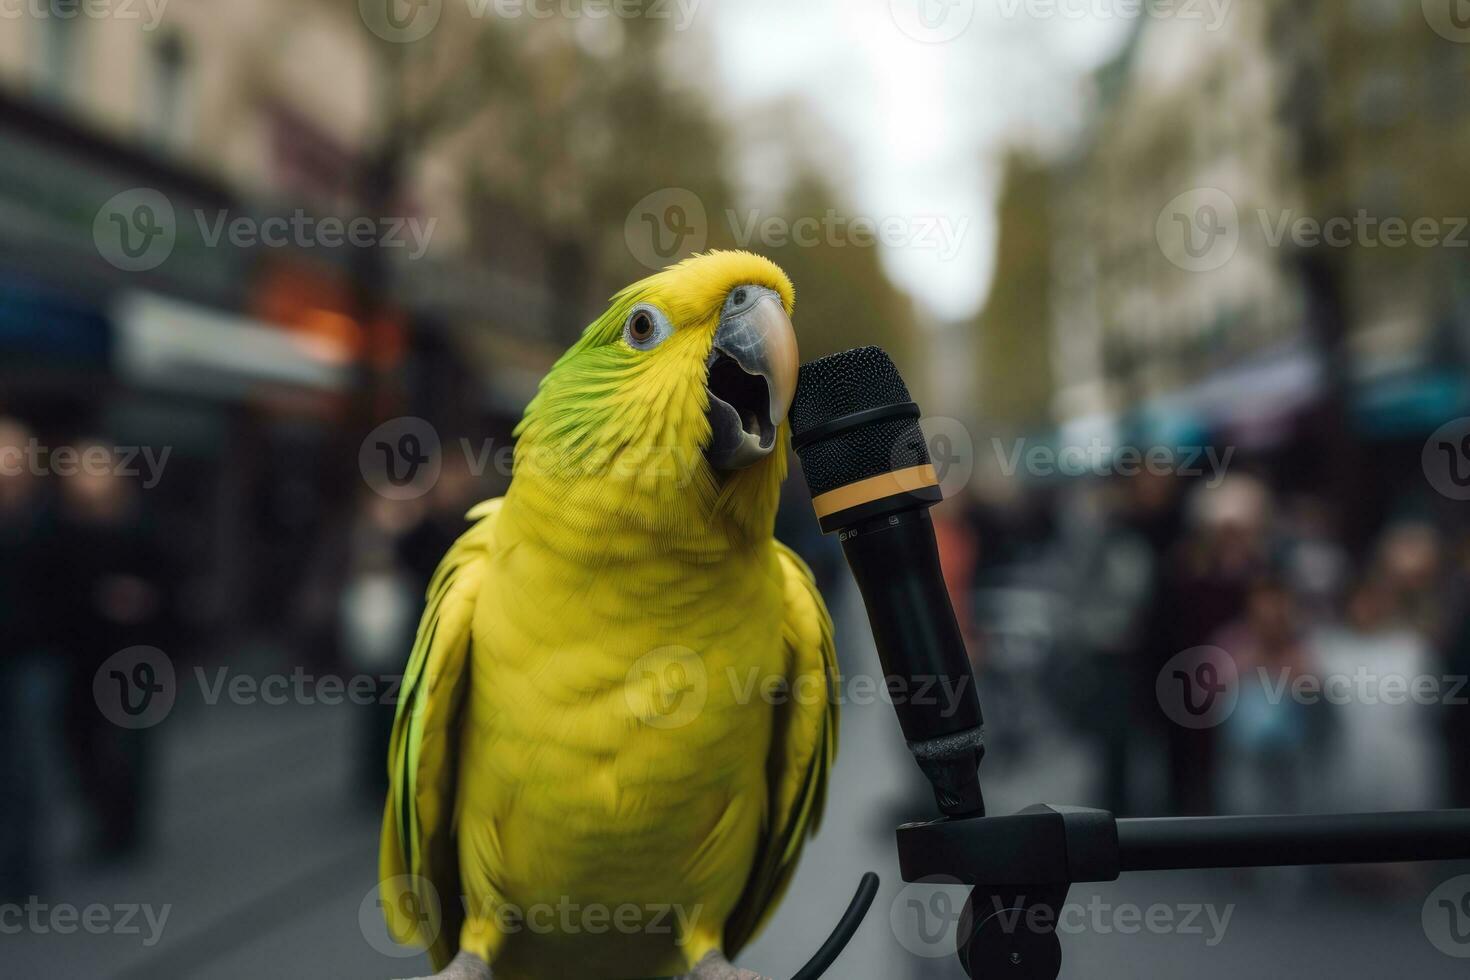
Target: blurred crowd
87	572
81	577
1343	669
1341	672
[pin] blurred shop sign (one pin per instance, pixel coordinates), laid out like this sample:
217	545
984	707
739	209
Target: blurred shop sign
180	346
41	325
57	183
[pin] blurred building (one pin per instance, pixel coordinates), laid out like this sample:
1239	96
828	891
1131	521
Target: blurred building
1183	111
1015	370
1229	250
1375	112
259	362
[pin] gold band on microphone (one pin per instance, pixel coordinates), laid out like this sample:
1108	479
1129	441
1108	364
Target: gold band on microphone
875	488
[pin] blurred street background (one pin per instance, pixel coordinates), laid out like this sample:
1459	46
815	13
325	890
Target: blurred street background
1184	288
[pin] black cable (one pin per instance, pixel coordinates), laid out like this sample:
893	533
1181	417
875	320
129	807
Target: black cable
867	890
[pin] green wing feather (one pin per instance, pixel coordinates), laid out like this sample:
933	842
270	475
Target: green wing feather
803	749
418	860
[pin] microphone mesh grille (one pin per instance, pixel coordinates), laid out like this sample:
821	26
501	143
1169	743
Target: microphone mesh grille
841	384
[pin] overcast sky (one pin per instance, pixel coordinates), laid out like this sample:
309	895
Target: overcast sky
924	122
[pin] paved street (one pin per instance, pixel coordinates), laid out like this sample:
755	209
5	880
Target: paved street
264	861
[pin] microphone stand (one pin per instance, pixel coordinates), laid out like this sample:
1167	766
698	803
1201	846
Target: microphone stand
1022	866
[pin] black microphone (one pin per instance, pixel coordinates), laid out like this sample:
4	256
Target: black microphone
868	468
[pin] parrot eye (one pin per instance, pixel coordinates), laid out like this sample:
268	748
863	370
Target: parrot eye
640	328
646	328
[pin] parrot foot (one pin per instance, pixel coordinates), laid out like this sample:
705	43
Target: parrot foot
714	966
465	966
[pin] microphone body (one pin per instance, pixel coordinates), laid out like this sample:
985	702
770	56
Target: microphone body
867	464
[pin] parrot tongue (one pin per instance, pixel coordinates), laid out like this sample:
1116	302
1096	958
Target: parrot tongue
739	414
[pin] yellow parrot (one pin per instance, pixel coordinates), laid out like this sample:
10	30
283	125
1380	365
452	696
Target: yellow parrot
619	715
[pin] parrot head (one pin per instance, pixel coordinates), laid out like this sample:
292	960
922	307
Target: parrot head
677	395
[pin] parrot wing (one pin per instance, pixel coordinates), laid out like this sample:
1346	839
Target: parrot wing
418	861
803	748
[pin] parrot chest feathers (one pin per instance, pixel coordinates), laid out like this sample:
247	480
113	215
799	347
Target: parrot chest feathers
618	734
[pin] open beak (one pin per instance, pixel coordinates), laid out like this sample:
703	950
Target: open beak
752	377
